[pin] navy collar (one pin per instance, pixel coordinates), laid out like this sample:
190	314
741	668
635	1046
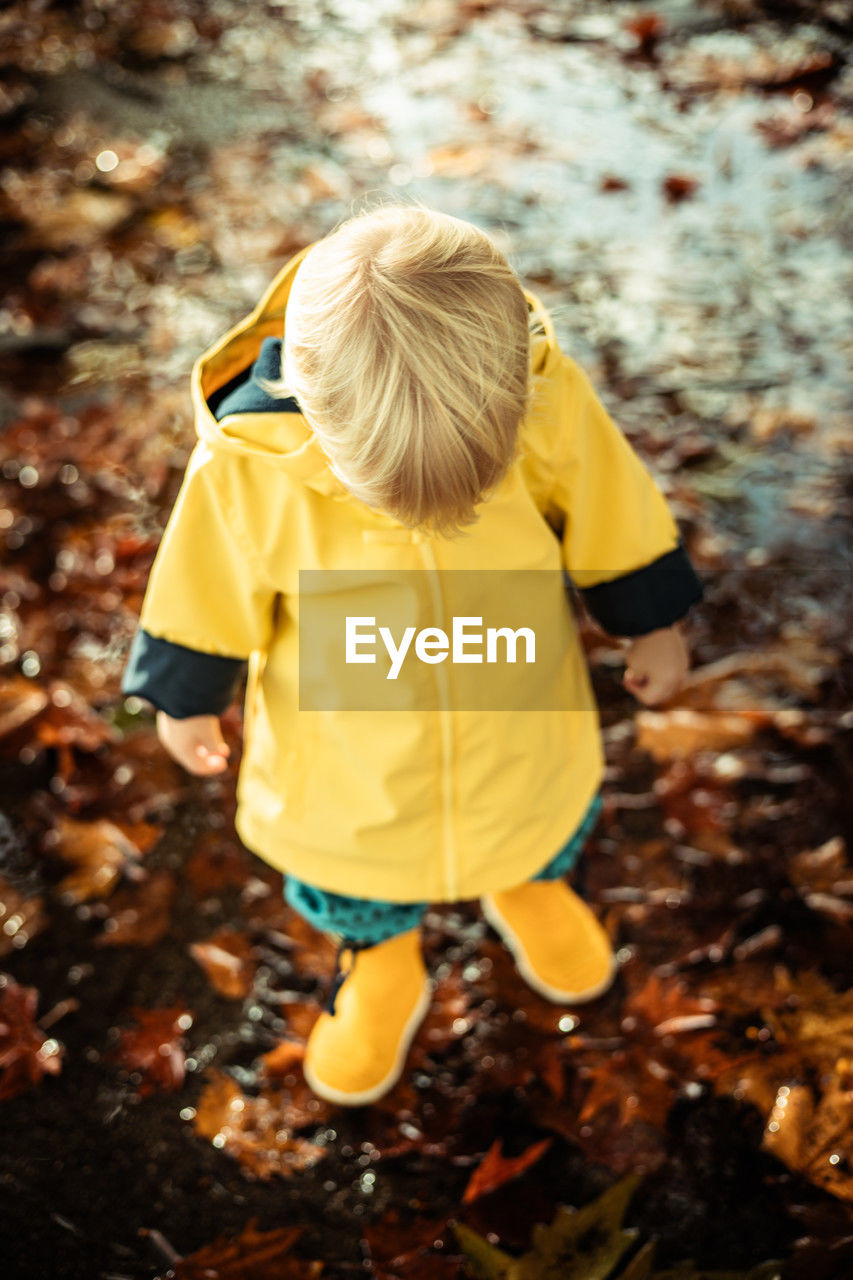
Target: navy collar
243	394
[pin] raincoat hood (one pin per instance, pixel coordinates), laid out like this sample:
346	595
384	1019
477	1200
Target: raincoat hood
283	440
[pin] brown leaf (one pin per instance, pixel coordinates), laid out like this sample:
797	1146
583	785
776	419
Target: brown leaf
814	1137
26	1053
800	664
315	952
403	1247
82	218
21	702
282	1060
667	1006
701	806
154	1048
825	869
681	731
495	1169
69	721
502	982
773	67
677	187
254	1131
755	1076
820	1022
632	1084
301	1016
253	1255
459	159
228	960
20	917
647	28
100	851
747	987
140	914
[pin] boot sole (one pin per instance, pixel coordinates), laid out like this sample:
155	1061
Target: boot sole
366	1096
513	942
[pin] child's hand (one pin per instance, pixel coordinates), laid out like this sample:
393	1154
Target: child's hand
656	665
196	742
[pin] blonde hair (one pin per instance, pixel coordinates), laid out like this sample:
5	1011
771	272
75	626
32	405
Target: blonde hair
407	346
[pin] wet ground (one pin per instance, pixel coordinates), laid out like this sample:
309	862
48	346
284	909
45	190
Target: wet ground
672	181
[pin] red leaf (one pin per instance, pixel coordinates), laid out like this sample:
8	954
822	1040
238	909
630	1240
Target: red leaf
677	186
154	1048
26	1053
253	1255
495	1169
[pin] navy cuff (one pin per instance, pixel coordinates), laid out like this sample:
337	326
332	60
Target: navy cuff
180	681
656	595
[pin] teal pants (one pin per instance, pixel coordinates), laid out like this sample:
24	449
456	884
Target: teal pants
371	920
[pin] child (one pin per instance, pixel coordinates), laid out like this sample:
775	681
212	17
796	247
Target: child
398	404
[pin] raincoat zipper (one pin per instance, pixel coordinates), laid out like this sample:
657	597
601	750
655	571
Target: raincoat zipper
445	720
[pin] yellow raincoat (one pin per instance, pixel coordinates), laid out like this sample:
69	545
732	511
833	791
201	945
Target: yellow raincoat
405	805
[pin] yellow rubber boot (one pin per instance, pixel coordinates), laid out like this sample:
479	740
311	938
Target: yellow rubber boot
560	948
356	1054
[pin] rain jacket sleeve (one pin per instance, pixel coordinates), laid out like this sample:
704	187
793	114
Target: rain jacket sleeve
207	605
621	546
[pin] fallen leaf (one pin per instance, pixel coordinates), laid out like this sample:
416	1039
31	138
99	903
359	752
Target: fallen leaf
228	960
100	851
800	664
281	1060
21	702
315	951
154	1048
400	1244
627	1082
253	1255
26	1053
813	1137
667	1006
495	1169
680	732
82	218
580	1244
825	869
816	1019
647	28
22	916
70	721
254	1130
140	914
678	187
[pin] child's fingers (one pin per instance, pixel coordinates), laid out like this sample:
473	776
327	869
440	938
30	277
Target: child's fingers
212	761
634	680
657	691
